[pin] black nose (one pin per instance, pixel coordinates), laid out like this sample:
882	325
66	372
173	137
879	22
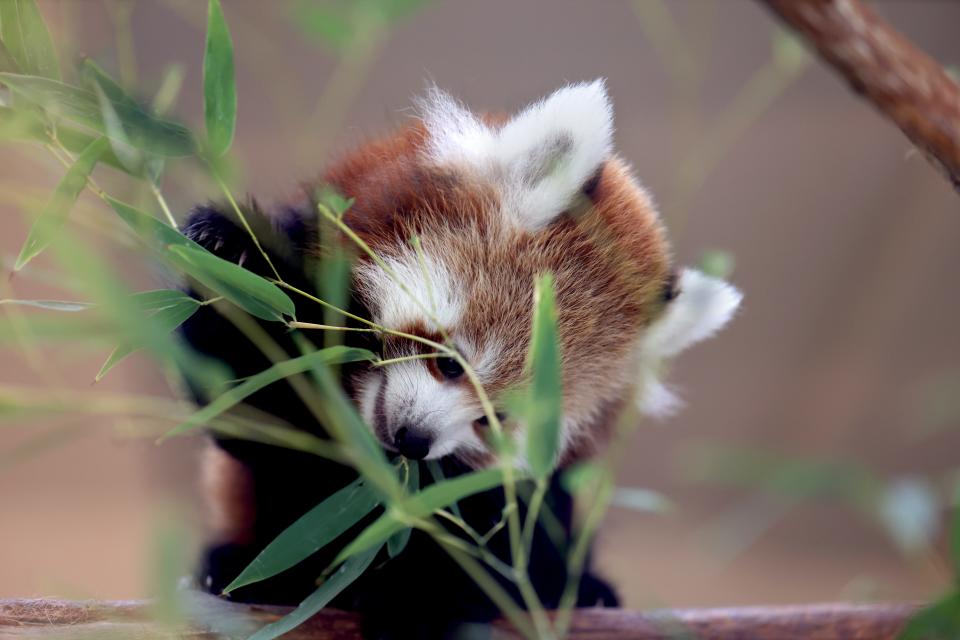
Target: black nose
411	444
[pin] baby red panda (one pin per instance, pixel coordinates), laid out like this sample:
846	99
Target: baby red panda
495	201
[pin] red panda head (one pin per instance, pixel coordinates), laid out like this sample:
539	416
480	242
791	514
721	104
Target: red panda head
495	202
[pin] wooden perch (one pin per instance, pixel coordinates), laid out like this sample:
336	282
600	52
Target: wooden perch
214	618
903	82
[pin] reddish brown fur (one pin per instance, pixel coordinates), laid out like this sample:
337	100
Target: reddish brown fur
608	254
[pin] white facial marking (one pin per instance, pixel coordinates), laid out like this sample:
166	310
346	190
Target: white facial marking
539	160
433	286
702	307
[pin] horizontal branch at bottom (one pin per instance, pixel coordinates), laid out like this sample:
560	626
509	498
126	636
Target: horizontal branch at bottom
214	618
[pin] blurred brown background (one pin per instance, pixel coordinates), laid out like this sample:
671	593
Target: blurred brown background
845	244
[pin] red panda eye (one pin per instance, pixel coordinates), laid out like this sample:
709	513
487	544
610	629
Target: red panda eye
449	368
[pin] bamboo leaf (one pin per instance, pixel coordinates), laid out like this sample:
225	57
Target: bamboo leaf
25	37
56	211
317	528
145	131
166	319
277	372
340	580
545	403
398	541
108	94
436	496
254	294
219	82
247	290
939	621
52	305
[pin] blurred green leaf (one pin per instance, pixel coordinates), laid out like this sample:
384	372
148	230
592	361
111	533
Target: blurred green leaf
57	209
939	621
254	294
342	24
644	500
545	404
718	264
219	82
52	305
910	511
398	541
277	372
421	505
110	93
146	132
7	62
340	580
20	125
317	528
25	37
955	534
169	561
788	52
166	319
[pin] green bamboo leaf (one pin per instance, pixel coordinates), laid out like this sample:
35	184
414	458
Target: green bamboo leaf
340	580
545	404
277	372
161	299
166	319
436	496
7	61
317	528
56	211
254	294
939	621
145	131
219	82
52	305
25	36
110	93
247	290
398	541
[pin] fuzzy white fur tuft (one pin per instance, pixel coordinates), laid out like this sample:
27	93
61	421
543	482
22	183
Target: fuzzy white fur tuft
703	306
540	159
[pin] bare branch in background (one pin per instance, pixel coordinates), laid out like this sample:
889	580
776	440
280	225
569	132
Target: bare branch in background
903	82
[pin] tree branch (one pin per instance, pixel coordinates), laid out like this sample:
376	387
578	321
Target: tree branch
214	618
904	83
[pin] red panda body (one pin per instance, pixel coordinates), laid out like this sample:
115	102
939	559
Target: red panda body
494	203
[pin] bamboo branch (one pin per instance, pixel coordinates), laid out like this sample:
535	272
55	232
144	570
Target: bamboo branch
904	83
215	618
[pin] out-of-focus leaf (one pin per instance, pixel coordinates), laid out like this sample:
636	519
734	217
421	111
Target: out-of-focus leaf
52	305
342	24
911	513
398	541
167	319
219	82
545	404
56	211
421	505
317	528
641	500
20	125
340	580
145	132
7	62
110	93
718	264
788	52
254	294
169	89
939	621
277	372
26	38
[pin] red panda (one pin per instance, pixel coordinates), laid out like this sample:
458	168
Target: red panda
495	201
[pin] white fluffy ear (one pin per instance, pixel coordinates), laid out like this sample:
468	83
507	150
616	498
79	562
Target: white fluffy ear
702	307
540	159
550	149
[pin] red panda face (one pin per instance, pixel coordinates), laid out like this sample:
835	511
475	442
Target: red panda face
495	203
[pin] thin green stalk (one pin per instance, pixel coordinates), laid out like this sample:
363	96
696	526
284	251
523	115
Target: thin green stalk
243	220
533	513
163	204
296	324
422	259
419	356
